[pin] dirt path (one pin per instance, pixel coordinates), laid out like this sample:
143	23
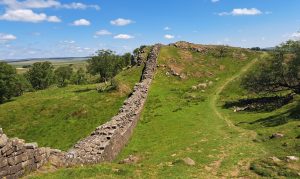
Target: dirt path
219	90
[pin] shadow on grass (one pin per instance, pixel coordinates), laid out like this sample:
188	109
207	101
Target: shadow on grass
263	104
7	101
280	119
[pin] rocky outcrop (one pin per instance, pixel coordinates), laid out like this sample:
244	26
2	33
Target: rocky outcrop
193	47
104	144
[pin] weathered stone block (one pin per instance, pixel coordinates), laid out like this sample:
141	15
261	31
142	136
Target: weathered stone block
31	145
14	169
3	140
3	163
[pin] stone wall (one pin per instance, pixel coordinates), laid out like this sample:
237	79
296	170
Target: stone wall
18	158
105	143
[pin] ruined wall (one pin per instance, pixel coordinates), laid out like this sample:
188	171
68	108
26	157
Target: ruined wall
107	140
18	158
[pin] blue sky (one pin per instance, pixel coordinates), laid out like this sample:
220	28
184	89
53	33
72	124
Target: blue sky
61	28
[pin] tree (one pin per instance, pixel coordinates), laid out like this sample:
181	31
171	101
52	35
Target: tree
7	81
79	77
41	75
106	64
278	72
63	74
128	58
21	85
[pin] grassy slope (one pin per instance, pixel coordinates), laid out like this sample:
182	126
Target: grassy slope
178	122
58	117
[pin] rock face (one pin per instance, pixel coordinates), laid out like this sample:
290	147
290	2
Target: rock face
104	144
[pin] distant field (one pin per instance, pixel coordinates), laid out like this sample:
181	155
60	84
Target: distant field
59	117
75	62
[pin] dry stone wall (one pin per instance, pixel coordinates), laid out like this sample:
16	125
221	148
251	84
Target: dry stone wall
107	140
18	158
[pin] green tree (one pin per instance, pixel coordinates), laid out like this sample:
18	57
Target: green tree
106	64
21	85
127	58
79	77
278	72
41	75
63	75
7	81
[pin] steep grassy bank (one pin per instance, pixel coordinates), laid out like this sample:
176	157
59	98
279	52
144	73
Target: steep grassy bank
59	117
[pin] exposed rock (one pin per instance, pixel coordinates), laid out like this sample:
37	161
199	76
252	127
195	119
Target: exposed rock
130	160
275	159
189	161
276	136
238	109
291	158
202	86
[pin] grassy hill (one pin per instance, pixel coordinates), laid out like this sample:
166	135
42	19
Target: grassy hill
59	117
185	118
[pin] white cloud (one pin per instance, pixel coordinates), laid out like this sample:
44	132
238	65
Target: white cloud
214	1
27	15
7	37
102	32
242	12
121	22
40	4
123	36
295	36
68	42
79	6
81	22
168	36
167	28
54	19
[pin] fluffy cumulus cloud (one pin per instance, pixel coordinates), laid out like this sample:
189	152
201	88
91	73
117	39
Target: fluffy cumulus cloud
168	36
7	37
81	22
242	12
121	22
27	15
123	36
24	10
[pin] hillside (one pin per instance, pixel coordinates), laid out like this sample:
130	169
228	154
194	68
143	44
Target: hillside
186	132
59	117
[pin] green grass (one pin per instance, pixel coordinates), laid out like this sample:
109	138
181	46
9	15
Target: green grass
179	122
59	117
